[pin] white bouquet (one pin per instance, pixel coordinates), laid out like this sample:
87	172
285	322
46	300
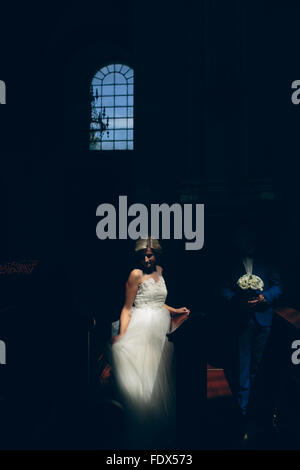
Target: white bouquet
250	281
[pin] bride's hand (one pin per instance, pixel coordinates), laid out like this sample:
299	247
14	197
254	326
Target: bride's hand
116	338
183	310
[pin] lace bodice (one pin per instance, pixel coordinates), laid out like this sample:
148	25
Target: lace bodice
151	293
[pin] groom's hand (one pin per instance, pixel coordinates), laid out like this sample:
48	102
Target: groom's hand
258	300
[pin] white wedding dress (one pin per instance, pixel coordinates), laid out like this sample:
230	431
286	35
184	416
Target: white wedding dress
143	370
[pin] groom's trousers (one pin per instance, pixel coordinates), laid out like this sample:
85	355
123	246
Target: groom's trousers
252	343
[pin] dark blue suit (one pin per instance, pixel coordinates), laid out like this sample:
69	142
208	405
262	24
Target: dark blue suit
253	323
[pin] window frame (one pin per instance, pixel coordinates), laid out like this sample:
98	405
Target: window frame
124	69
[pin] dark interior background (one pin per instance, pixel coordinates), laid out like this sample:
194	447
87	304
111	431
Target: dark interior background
214	124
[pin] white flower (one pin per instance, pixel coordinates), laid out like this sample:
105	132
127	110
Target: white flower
250	281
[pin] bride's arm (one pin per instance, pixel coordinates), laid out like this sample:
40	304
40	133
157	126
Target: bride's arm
176	311
173	311
131	290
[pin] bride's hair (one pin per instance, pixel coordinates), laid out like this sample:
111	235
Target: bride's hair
141	246
149	242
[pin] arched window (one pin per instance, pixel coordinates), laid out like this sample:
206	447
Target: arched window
111	124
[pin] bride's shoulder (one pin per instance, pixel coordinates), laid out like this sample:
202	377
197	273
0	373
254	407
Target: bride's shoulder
159	269
135	275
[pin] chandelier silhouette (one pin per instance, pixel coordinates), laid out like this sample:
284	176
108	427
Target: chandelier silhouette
99	119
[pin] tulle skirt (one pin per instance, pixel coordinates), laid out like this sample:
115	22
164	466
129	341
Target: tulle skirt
144	376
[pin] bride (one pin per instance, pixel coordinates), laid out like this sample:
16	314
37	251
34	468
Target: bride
142	356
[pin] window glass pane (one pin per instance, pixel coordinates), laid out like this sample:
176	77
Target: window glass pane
130	135
129	74
130	123
118	67
108	79
121	89
130	89
130	145
96	81
96	89
97	78
104	70
111	123
130	100
122	145
109	112
130	111
108	90
124	69
108	101
108	135
111	68
119	78
107	145
120	123
97	102
121	112
121	101
121	135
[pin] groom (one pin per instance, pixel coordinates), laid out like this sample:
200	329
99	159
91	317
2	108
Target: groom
252	314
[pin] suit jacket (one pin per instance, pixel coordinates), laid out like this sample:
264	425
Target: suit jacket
232	294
